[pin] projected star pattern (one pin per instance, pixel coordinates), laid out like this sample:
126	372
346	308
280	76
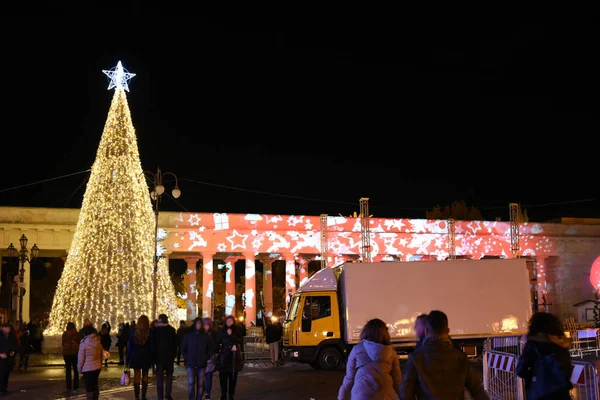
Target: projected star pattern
391	239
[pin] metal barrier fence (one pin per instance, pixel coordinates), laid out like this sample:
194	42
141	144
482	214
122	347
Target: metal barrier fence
507	344
499	377
502	383
584	378
256	351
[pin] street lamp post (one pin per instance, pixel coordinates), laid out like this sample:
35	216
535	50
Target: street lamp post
158	189
23	258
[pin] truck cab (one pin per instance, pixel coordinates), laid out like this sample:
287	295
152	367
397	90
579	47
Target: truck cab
311	331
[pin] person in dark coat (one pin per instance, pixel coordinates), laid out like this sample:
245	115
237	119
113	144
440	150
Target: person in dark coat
163	342
209	328
229	361
139	356
546	336
181	332
25	346
273	338
196	350
123	335
105	339
9	347
70	344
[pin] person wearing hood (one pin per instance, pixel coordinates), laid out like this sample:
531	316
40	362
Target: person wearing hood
163	342
437	370
196	350
547	344
373	370
89	361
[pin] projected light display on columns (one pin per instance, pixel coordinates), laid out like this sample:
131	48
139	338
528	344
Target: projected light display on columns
250	293
230	300
192	292
207	284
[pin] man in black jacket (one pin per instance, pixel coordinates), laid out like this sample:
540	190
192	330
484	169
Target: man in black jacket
196	349
163	342
181	332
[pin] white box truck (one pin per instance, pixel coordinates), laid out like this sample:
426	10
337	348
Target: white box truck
482	298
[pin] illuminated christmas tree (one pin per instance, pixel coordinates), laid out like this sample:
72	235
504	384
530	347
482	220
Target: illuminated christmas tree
109	269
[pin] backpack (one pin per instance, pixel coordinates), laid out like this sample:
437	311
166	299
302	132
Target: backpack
547	376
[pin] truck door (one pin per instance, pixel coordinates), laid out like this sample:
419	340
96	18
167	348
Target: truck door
318	322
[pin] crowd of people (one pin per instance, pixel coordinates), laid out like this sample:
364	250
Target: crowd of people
156	346
436	370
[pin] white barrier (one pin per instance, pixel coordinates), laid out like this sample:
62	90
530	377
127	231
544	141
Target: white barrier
585	381
499	377
506	344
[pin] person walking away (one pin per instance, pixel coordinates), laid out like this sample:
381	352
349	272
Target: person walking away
181	332
24	348
420	329
9	347
89	361
545	363
373	369
437	370
196	349
106	340
164	347
209	329
122	339
70	349
273	338
139	356
229	361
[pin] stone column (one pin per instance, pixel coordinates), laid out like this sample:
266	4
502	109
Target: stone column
207	284
290	276
540	270
267	286
303	272
192	301
230	302
250	293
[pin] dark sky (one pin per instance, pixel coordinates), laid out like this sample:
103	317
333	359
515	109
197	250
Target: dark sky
307	121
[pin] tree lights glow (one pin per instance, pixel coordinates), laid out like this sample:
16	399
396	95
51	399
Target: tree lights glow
108	271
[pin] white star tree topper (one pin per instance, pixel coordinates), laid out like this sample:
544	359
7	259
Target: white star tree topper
118	77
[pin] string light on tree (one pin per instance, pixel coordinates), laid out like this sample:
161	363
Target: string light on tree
108	272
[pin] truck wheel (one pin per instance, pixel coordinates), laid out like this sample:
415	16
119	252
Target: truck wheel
330	358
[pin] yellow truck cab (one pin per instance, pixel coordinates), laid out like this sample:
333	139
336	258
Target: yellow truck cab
327	313
311	331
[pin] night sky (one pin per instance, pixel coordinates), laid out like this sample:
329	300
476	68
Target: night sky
301	121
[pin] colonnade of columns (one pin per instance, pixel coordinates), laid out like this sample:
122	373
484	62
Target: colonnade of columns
252	298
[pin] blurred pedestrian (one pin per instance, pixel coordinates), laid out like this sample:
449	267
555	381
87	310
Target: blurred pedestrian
89	361
181	332
25	347
164	348
420	323
545	363
437	370
122	339
196	349
70	345
106	340
373	369
212	361
139	356
9	347
273	337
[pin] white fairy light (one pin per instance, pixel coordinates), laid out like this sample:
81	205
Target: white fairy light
118	77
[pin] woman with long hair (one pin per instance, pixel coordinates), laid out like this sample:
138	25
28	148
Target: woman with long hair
209	328
545	363
373	370
229	361
138	355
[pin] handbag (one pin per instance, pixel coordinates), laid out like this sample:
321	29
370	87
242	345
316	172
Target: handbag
126	377
105	355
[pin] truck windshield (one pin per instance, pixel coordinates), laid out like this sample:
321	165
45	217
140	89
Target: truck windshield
293	310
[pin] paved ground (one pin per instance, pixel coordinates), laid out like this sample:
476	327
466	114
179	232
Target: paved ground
291	382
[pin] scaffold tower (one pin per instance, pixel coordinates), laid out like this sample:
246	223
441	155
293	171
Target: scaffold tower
365	230
515	211
324	241
451	240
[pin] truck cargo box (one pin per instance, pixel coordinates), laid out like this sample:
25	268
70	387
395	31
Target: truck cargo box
482	298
